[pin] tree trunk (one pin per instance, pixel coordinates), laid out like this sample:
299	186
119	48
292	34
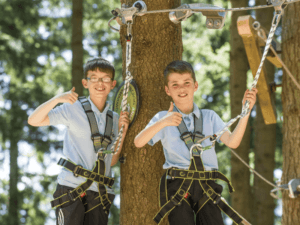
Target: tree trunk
77	47
291	110
14	205
240	175
265	143
156	42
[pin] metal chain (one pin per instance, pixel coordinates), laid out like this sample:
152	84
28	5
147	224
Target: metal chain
126	86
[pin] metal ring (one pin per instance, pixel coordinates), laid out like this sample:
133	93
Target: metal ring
193	146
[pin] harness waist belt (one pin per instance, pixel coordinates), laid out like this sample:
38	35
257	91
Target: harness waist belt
199	175
79	171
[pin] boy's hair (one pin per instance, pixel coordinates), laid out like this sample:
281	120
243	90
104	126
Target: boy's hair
101	64
178	66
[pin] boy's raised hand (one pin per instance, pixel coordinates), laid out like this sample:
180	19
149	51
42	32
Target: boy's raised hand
68	97
172	118
250	95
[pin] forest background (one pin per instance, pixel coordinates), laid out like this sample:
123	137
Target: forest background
36	64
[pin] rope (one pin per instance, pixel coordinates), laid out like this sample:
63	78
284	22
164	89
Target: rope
245	109
253	170
128	78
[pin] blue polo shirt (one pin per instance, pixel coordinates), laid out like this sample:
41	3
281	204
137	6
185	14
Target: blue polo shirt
176	152
77	145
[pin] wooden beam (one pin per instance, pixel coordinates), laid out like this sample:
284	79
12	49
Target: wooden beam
254	55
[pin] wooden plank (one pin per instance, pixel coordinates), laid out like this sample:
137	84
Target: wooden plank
254	55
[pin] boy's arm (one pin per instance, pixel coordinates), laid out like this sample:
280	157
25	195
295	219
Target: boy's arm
170	119
123	120
40	115
233	140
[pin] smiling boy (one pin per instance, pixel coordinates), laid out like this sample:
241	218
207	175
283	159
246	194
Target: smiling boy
83	194
177	128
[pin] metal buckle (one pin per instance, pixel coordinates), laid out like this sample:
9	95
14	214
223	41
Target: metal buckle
94	136
107	140
185	135
217	199
175	201
198	135
75	170
70	196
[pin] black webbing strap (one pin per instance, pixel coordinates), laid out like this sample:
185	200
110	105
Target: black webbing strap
163	196
230	212
102	189
99	141
74	194
211	195
174	201
188	137
79	171
199	175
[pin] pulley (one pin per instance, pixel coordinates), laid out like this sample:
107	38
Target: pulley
215	16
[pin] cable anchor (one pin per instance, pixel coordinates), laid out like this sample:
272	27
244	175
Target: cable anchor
293	187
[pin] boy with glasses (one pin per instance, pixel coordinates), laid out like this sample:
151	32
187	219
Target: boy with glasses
84	194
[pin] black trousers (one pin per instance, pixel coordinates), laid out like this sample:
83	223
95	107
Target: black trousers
82	211
184	214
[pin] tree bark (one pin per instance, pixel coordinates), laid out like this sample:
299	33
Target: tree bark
14	205
156	42
77	46
291	110
240	175
265	143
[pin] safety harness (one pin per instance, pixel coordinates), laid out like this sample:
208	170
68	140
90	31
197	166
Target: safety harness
196	172
97	175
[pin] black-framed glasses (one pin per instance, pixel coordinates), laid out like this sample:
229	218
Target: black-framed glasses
96	79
